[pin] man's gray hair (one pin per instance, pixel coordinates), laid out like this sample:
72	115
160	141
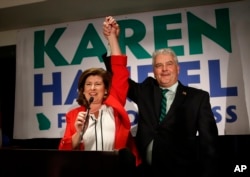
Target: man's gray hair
164	51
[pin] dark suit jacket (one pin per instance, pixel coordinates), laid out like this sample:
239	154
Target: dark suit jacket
177	150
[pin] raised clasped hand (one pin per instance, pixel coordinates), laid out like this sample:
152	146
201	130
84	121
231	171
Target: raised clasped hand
110	26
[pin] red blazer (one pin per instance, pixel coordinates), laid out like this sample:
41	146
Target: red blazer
117	100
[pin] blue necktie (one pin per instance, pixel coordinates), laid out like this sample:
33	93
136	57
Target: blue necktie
163	104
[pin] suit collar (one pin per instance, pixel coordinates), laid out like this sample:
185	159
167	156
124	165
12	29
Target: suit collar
180	96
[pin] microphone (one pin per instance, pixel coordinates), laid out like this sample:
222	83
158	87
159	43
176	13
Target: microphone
91	99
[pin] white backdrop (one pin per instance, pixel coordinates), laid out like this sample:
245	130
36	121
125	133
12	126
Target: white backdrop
212	44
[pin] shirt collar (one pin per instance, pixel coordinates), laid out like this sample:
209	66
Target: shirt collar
173	88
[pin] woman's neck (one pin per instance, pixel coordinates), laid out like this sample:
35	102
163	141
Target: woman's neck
94	109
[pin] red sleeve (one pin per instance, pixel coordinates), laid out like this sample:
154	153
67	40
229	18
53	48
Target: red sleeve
120	72
66	141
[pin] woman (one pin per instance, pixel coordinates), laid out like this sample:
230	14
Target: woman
102	99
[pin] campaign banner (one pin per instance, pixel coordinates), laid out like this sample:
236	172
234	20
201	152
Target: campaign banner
212	43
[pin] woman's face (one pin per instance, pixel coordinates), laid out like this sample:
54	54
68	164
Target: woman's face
94	87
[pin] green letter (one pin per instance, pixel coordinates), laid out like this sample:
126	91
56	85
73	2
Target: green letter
162	35
40	47
97	48
133	41
220	35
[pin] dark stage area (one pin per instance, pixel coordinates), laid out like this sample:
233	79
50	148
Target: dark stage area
234	152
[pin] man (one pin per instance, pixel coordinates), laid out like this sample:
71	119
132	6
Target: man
184	143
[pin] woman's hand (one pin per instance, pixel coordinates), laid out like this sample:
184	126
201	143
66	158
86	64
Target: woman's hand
80	122
110	26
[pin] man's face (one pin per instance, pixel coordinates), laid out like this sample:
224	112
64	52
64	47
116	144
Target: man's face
166	70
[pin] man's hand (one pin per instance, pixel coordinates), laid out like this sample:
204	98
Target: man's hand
110	26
